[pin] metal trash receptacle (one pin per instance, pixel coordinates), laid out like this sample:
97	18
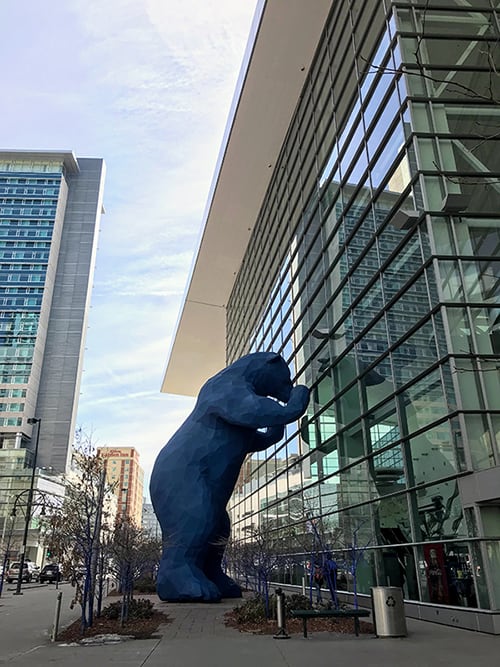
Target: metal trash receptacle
388	611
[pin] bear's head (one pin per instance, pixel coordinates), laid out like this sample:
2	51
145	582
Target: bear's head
268	374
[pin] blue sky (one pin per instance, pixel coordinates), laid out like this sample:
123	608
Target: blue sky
147	85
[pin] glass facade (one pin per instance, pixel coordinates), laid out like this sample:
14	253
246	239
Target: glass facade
29	193
373	269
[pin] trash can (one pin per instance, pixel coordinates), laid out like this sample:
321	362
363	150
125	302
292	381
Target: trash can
388	611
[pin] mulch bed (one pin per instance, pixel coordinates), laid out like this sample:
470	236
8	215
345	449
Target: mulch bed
142	628
294	626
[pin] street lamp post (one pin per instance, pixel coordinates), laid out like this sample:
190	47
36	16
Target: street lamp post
31	420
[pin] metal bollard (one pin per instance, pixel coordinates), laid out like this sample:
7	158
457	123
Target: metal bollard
280	613
57	614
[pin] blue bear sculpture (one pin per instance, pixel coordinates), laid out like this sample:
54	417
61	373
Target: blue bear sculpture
195	473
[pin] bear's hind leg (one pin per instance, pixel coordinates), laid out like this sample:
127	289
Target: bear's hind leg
213	560
181	580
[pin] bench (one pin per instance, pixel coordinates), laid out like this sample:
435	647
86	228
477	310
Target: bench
306	614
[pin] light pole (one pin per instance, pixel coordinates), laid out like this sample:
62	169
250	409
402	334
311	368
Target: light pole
31	420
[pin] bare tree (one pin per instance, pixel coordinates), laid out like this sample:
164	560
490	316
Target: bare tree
74	530
132	553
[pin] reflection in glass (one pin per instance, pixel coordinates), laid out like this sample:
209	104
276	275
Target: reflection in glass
480	444
432	455
446	573
440	513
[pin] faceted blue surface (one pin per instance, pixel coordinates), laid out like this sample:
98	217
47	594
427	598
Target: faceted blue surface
195	473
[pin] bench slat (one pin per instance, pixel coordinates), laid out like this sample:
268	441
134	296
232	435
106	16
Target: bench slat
305	614
312	613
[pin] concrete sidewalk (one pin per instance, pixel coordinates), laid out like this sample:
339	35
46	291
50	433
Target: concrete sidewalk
197	637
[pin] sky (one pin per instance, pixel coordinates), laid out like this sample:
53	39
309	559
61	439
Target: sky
147	85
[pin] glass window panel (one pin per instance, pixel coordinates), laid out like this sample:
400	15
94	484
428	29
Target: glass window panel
440	514
446	574
373	344
423	403
351	441
482	280
374	68
427	154
474	120
383	426
479	574
434	192
343	373
483	198
421	117
391	108
365	270
467	52
412	305
451	284
399	566
491	383
388	471
486	327
433	455
415	354
352	148
443	237
394	519
440	336
484	237
383	85
377	383
472	155
469	384
357	172
328	168
493	559
460	333
442	22
495	420
480	444
332	198
359	204
357	570
457	84
389	238
415	82
369	307
403	266
490	518
400	177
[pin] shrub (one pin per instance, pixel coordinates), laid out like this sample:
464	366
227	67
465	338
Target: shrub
251	611
254	610
296	601
145	586
137	608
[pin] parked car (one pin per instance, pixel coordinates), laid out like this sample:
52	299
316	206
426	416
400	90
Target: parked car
13	573
50	572
34	570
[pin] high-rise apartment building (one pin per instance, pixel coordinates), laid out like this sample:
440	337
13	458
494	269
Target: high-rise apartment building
150	524
50	207
127	477
353	227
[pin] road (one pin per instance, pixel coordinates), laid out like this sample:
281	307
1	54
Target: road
26	620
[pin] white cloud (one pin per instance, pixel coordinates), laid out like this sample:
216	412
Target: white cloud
146	84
